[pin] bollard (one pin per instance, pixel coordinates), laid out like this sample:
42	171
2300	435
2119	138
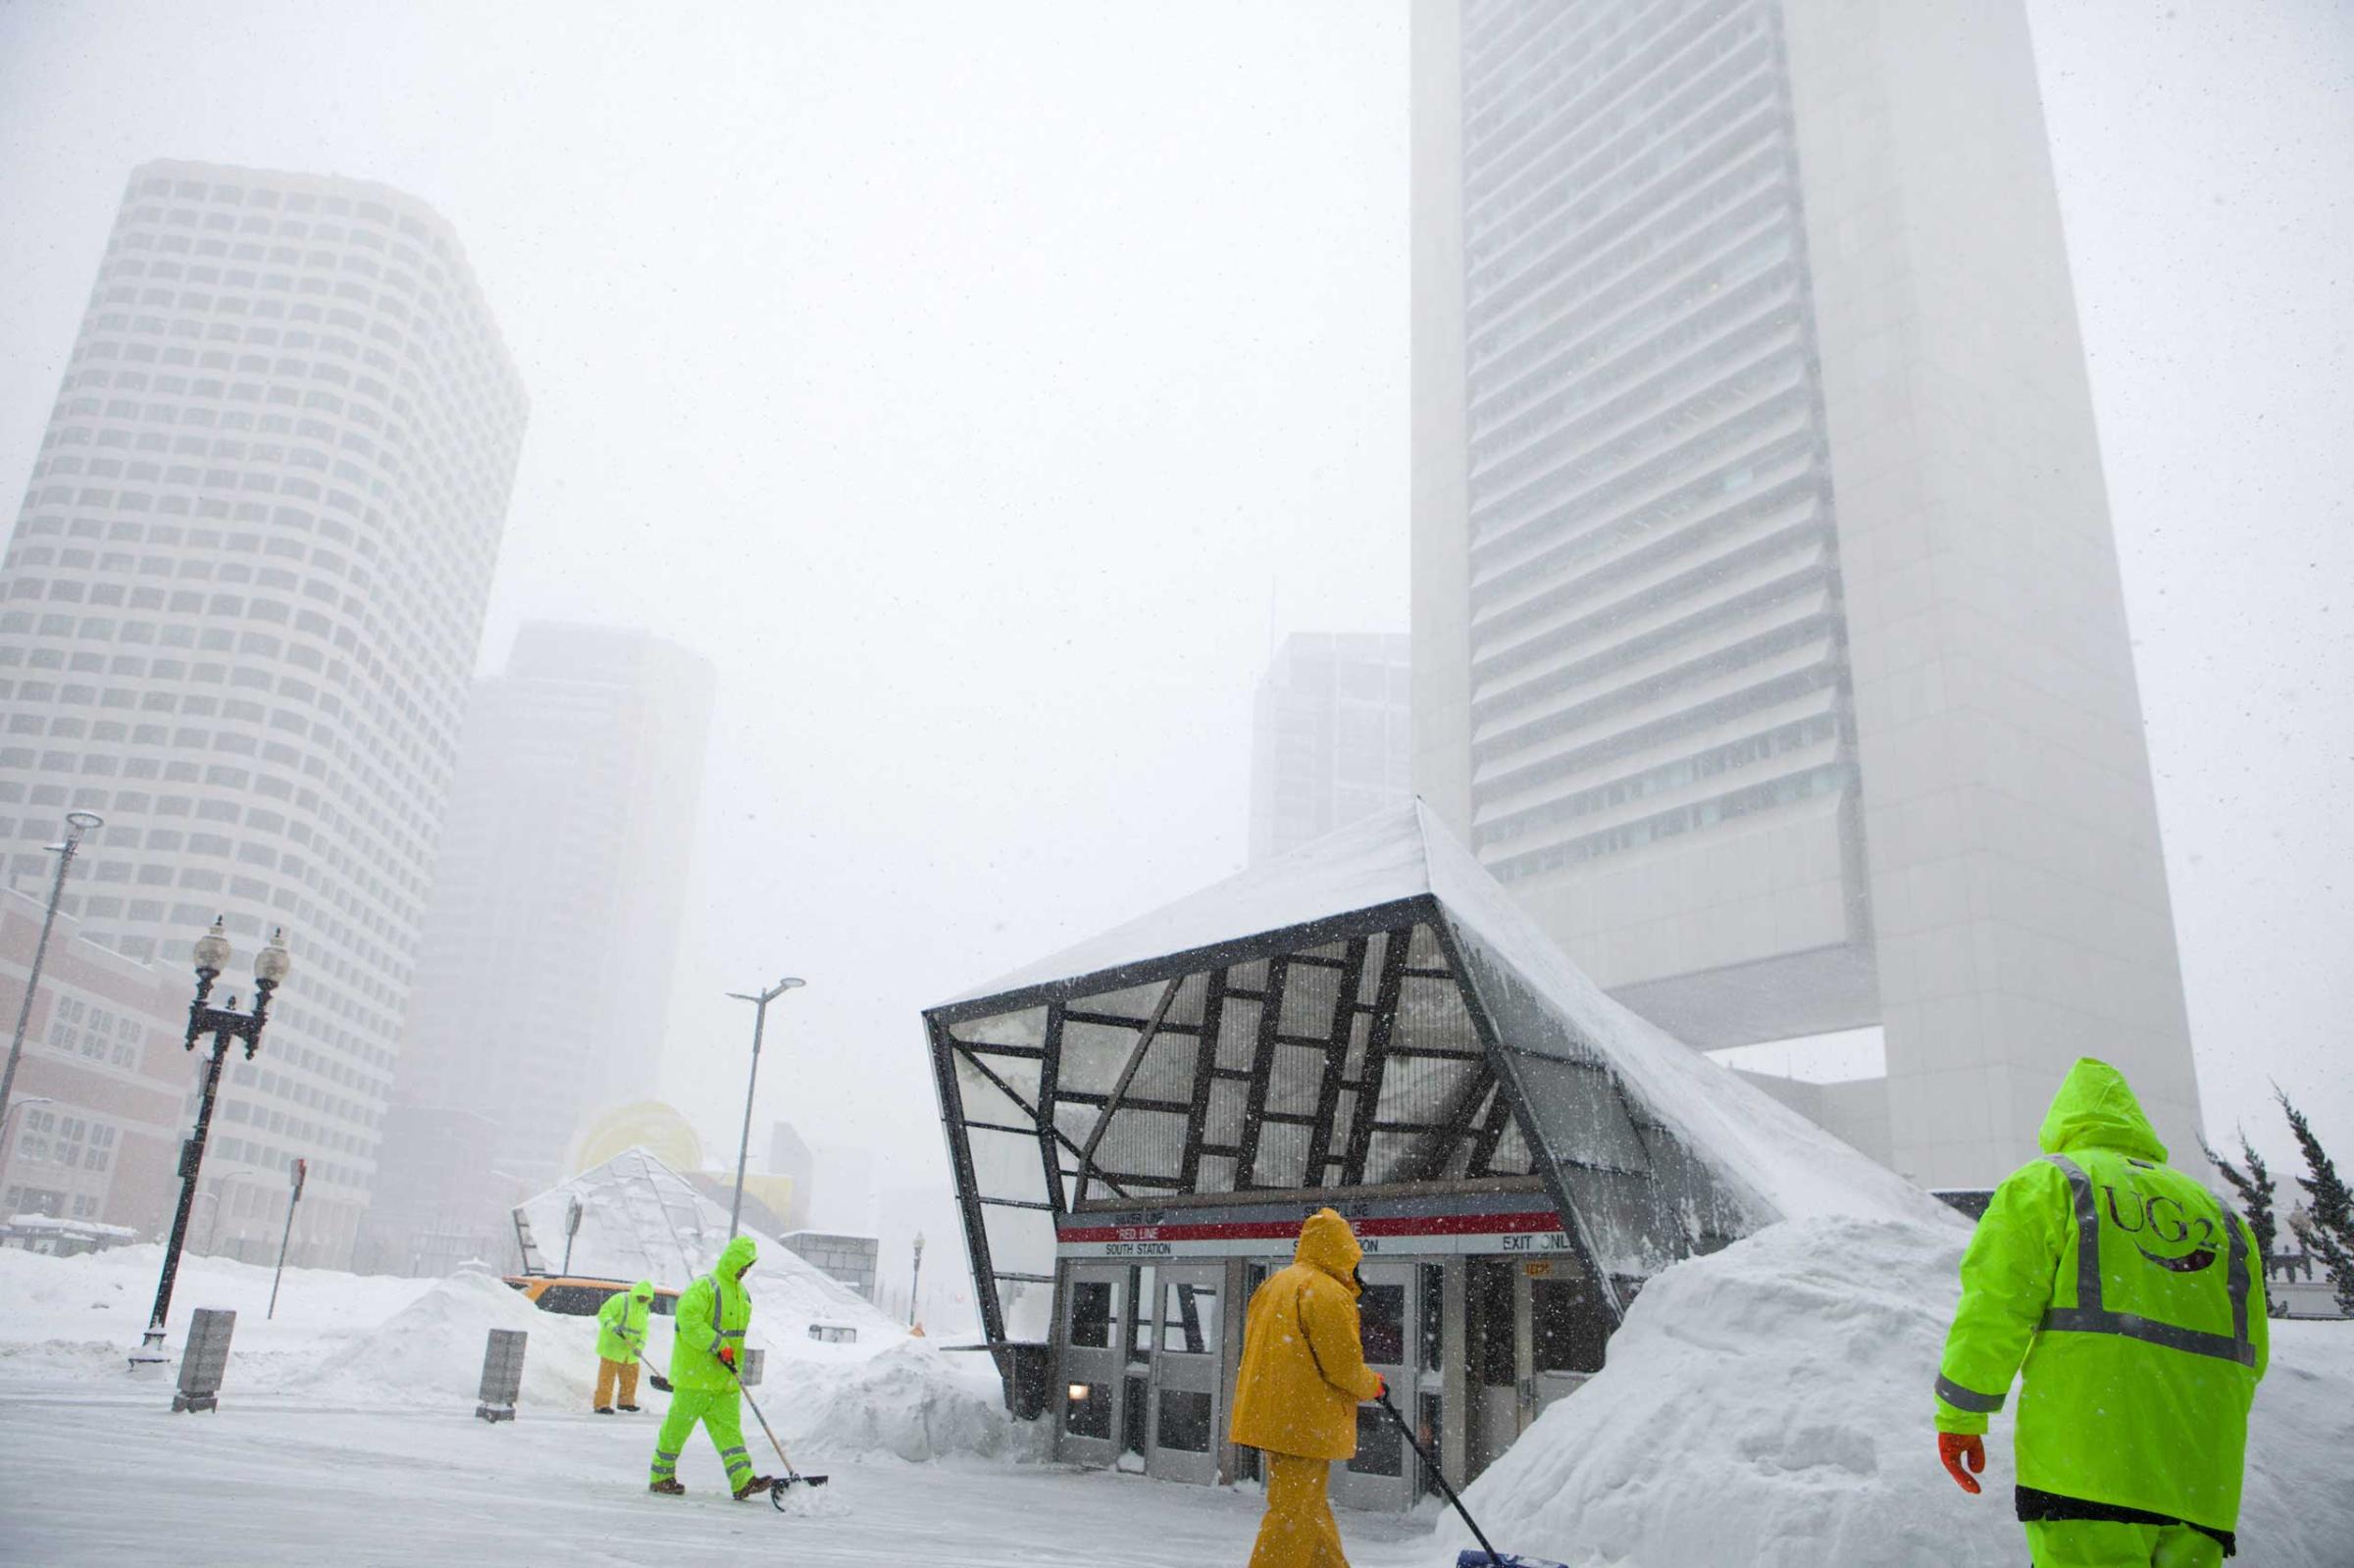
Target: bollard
204	1359
747	1366
503	1374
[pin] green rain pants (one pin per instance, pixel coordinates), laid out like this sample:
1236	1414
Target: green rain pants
2101	1543
721	1411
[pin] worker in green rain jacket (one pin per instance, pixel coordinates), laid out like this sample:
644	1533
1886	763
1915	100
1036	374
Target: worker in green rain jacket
620	1339
2126	1297
706	1340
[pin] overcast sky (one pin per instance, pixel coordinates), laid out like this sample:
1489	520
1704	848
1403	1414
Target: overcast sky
981	387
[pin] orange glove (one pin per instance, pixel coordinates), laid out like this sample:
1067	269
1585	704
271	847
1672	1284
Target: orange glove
1952	1448
727	1356
1381	1387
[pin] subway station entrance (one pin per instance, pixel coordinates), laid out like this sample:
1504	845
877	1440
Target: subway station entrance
1139	1125
1470	1310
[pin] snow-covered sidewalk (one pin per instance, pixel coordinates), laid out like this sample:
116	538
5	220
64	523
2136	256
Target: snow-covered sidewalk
107	1478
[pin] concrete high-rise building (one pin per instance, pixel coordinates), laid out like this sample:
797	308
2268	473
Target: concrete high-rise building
1767	629
240	613
789	1156
1332	738
555	921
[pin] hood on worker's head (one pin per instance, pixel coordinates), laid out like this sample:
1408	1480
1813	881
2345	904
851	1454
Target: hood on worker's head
736	1257
642	1291
1327	1242
2096	1108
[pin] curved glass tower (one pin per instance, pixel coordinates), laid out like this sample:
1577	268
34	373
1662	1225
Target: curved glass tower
238	617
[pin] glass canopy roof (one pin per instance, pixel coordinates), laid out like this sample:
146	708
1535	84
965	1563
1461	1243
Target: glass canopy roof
1384	1048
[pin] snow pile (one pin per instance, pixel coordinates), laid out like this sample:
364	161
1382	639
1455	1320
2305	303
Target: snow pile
76	1318
641	1219
343	1341
911	1402
431	1351
1770	1405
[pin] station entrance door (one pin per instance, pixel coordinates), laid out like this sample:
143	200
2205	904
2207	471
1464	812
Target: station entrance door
1389	1317
1142	1368
1184	1379
1095	1355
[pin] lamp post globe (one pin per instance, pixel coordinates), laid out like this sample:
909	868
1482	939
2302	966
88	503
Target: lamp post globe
213	952
271	964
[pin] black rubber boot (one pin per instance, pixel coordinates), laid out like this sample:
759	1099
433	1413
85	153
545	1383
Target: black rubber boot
668	1487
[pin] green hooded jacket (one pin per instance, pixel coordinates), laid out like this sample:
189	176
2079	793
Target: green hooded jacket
621	1323
2129	1299
714	1310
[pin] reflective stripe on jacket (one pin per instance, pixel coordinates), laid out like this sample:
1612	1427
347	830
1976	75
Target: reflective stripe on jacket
714	1311
621	1323
2129	1299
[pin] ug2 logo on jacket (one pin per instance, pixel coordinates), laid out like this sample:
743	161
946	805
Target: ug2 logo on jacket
2165	1222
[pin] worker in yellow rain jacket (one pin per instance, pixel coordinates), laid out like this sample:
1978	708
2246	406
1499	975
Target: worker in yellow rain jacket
1302	1375
706	1338
2123	1295
621	1325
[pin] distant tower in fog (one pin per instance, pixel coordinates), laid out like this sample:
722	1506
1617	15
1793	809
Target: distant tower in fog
1768	631
556	908
238	616
1331	739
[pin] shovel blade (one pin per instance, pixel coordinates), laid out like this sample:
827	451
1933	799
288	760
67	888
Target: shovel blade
778	1487
1474	1557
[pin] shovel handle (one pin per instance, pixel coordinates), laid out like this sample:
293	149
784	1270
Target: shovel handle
1438	1475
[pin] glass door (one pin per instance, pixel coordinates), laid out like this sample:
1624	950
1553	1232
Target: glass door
1570	1330
1095	1353
1382	1475
1184	1380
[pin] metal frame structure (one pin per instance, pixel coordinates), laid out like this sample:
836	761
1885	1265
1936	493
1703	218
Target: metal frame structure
1386	1048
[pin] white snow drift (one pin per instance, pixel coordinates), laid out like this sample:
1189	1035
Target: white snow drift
1770	1406
343	1341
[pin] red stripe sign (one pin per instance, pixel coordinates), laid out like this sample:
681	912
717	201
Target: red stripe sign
1526	1230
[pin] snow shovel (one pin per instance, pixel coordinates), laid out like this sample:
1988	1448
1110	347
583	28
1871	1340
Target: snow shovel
791	1476
1486	1556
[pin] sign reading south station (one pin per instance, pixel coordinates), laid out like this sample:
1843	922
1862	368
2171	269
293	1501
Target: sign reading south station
1511	1223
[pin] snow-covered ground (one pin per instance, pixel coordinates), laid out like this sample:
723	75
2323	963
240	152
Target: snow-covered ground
1767	1406
268	1481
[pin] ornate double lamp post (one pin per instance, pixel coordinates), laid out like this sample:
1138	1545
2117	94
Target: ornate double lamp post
225	1024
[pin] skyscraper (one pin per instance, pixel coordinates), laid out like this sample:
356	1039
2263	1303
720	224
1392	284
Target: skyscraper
239	612
1331	739
554	920
1769	635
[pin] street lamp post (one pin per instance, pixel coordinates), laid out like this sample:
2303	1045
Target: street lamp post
743	1147
77	823
223	1024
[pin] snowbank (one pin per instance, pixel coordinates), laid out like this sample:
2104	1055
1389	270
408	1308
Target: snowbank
343	1341
1770	1405
68	1319
911	1402
641	1219
431	1351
